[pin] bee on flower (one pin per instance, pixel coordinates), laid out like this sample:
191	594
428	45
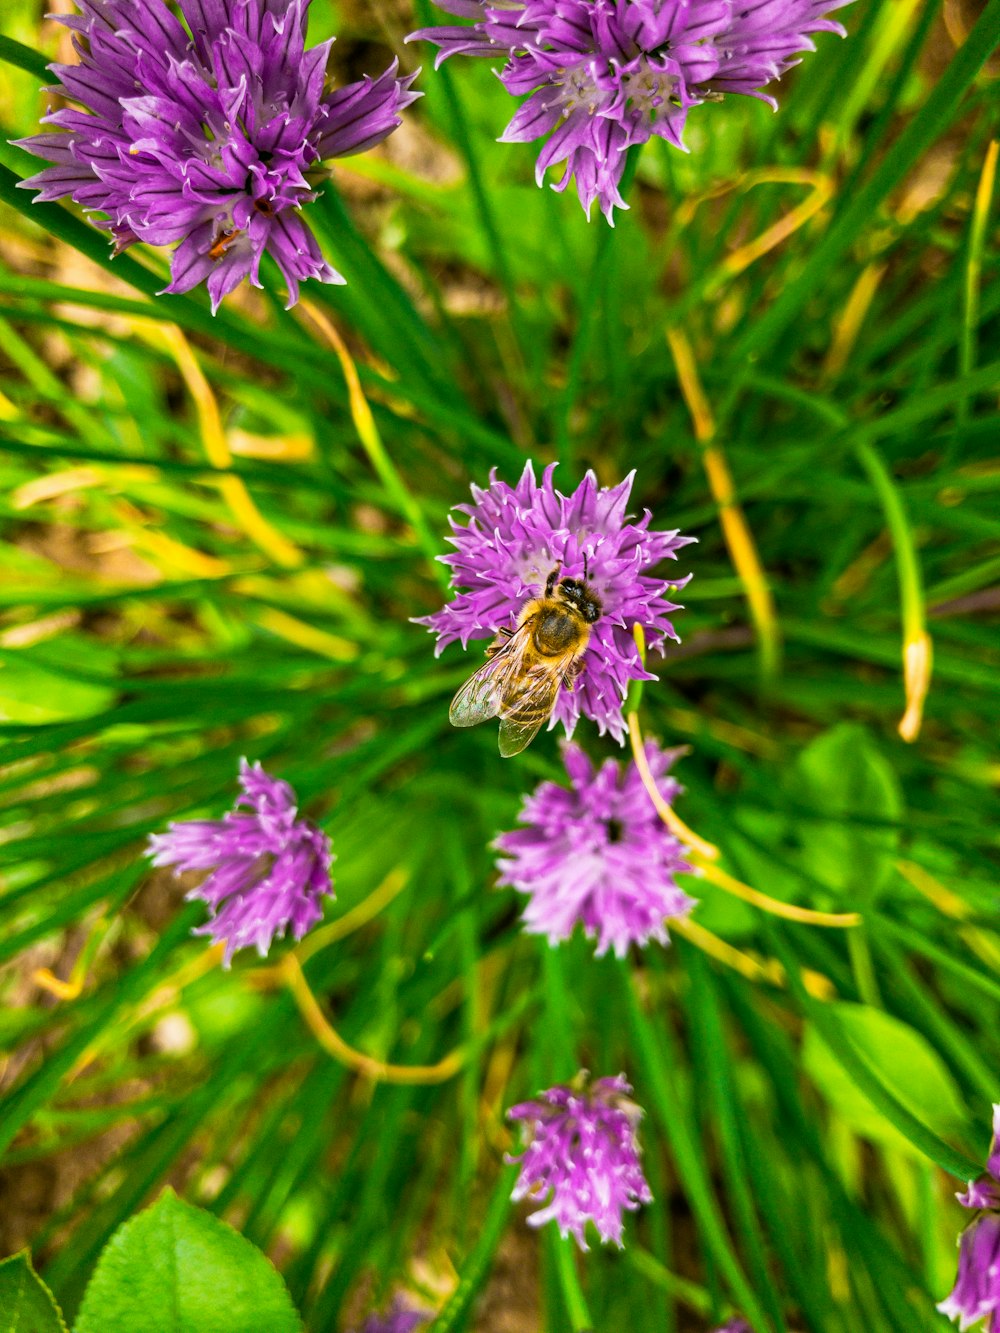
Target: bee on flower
558	583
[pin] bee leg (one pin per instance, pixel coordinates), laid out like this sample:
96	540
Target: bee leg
500	641
550	582
572	674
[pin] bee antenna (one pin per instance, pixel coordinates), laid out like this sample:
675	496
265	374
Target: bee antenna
585	573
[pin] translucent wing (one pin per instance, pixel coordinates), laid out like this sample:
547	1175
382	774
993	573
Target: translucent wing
482	695
517	733
530	704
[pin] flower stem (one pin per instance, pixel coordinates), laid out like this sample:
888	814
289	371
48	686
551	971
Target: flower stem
371	440
290	972
232	489
393	884
672	820
577	1309
917	648
769	971
974	270
586	320
805	915
705	854
735	529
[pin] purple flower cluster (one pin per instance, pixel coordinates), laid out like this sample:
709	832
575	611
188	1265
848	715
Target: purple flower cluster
209	135
976	1294
581	1157
604	75
598	854
737	1325
516	535
269	869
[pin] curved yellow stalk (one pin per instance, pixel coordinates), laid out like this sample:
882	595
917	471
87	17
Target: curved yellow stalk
331	1041
666	812
771	971
735	529
805	915
704	854
393	884
238	499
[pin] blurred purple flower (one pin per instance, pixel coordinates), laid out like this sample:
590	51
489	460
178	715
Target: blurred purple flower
581	1157
737	1325
397	1320
512	541
976	1294
604	75
269	869
210	135
597	853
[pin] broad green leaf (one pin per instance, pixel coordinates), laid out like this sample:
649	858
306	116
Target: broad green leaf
29	693
26	1304
842	775
904	1061
177	1269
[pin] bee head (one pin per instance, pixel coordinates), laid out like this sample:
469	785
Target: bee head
581	596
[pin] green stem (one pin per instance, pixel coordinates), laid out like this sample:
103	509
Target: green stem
711	1056
474	1270
688	1293
862	967
569	1281
460	133
562	1044
562	1063
691	1167
911	588
586	322
973	274
32	62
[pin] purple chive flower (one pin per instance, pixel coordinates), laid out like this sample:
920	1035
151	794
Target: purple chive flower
598	854
581	1157
737	1325
516	535
269	869
210	135
976	1294
604	75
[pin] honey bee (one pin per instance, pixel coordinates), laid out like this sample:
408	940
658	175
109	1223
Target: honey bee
525	667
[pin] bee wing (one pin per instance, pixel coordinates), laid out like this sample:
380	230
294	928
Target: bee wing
482	695
516	734
521	721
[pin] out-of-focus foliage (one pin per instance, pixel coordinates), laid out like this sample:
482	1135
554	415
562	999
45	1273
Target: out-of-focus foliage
202	559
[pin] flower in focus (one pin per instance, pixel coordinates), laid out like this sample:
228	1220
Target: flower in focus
597	853
976	1294
604	75
269	869
581	1157
209	135
516	535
